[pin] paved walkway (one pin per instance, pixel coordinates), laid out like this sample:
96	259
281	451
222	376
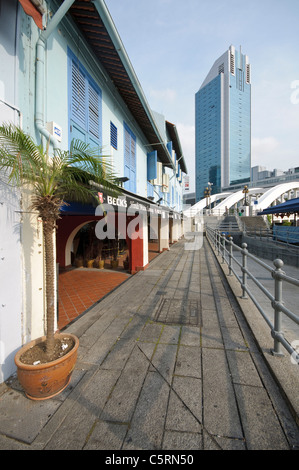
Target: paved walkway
166	362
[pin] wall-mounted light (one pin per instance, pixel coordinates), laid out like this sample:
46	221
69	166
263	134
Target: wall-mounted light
122	180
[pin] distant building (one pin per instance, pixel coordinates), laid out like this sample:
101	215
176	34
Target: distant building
189	199
263	177
223	124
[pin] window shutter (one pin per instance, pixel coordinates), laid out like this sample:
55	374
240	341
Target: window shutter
85	98
113	135
93	112
127	157
78	95
130	159
152	165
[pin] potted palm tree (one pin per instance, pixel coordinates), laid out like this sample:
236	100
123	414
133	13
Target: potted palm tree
54	180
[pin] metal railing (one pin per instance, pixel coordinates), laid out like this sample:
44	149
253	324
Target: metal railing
224	247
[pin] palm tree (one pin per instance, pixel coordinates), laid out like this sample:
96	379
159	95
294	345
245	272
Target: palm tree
54	180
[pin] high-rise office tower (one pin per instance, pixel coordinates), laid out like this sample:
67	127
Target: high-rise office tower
223	124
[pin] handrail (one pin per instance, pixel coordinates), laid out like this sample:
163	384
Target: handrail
224	247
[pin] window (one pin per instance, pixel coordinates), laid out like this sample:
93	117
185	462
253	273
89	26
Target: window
113	135
85	104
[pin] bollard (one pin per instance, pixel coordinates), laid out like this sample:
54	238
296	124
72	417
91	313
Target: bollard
244	252
278	263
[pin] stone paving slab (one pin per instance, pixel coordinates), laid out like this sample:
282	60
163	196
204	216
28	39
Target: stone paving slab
145	383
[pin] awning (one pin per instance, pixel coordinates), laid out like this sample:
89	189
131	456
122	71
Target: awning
288	207
33	11
126	201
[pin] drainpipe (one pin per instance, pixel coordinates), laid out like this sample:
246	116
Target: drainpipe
40	71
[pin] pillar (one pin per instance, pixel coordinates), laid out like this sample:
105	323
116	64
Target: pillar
163	233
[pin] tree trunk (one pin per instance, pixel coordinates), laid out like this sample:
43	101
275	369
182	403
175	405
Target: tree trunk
48	229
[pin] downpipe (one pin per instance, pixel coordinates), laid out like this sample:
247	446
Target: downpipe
40	72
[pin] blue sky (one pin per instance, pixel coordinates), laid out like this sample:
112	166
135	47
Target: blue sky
172	44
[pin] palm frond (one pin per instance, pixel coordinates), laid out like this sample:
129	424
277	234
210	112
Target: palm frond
66	175
19	155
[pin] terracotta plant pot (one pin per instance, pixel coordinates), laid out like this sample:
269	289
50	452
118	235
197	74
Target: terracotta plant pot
44	381
79	262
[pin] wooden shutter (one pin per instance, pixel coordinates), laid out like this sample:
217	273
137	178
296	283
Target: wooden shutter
78	96
113	135
93	112
130	159
152	159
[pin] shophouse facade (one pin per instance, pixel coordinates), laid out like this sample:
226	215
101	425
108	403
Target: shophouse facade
67	75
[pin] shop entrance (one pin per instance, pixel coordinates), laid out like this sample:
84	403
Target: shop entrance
91	252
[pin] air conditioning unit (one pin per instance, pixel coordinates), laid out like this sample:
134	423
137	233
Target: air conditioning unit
39	5
165	186
55	130
158	181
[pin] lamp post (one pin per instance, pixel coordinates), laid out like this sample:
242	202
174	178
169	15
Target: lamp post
207	193
245	192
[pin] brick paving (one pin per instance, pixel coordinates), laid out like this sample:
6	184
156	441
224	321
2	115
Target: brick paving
81	288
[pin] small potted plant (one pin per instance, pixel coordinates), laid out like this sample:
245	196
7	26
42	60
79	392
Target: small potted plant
79	261
126	263
99	262
45	365
90	263
114	261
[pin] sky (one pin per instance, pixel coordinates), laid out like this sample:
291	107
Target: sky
172	45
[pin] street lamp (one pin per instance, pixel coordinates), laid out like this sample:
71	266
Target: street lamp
245	192
207	193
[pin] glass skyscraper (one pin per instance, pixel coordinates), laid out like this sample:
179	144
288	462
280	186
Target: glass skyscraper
223	124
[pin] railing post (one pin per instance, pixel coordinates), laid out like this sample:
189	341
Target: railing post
278	263
230	256
218	242
223	248
244	267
